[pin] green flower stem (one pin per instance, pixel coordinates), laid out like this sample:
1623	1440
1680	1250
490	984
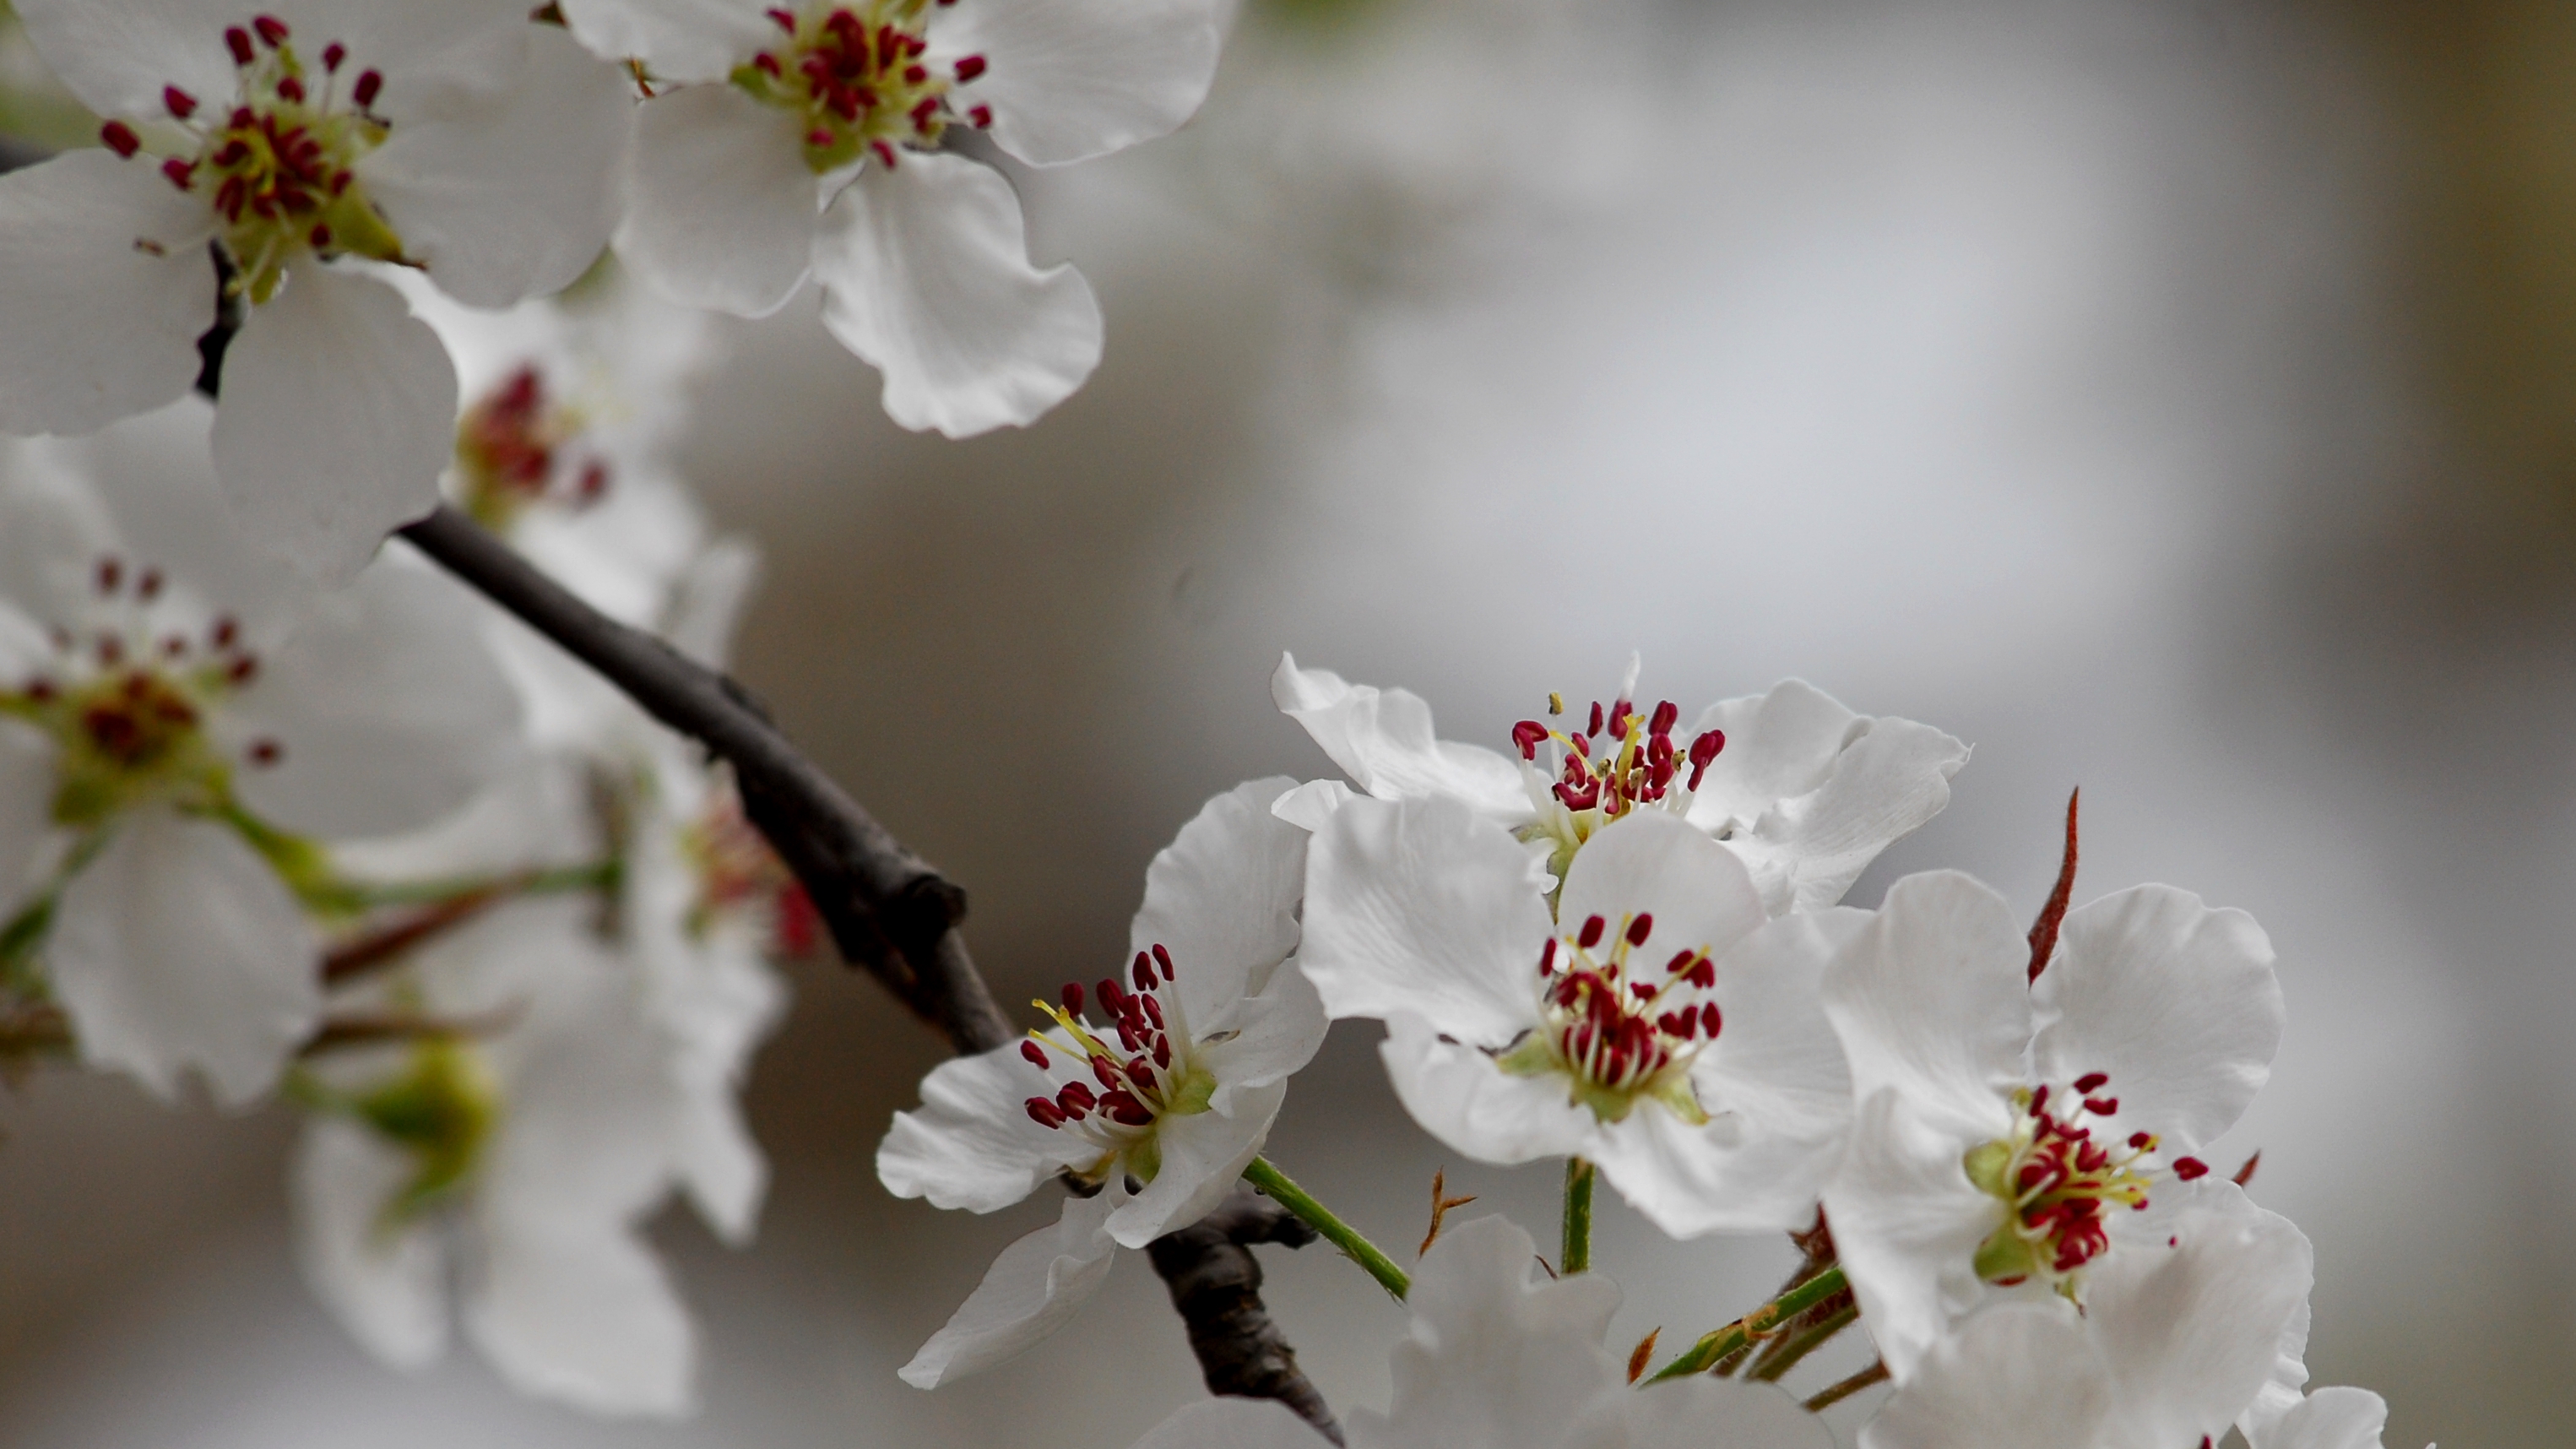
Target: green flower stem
1340	1234
560	880
1576	1254
1777	1361
1758	1324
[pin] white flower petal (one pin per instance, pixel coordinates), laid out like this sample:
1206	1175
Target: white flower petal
98	327
1309	805
1907	1223
1203	1153
1032	1289
386	1282
925	273
1233	1424
177	947
1420	907
1494	1359
721	208
338	415
2191	1333
1932	1000
2016	1376
2177	1002
434	58
1720	1176
1382	739
1699	1411
1458	1095
587	1141
2334	1418
116	55
388	709
971	1144
1222	900
679	40
2285	1390
721	1167
1777	1061
1277	1033
581	1312
1074	79
514	197
1650	862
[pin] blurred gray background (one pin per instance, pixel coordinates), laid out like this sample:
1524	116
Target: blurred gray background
2175	399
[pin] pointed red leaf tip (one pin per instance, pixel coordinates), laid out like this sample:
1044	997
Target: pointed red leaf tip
2245	1174
2043	933
1642	1353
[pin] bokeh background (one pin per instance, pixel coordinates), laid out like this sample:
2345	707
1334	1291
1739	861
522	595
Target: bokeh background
2175	399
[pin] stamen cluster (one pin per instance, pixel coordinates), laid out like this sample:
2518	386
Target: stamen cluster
1145	1077
278	165
857	77
2061	1184
125	700
507	447
1620	759
738	872
1618	1028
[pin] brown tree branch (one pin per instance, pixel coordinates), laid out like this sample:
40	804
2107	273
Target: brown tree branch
1216	1285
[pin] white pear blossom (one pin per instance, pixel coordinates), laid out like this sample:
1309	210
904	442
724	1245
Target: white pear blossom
2011	1133
1653	1018
2173	1342
1158	1112
804	139
183	732
302	141
1496	1360
510	1163
1805	791
2331	1418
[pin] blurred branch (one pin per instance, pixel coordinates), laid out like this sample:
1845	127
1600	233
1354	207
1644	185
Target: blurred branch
1216	1285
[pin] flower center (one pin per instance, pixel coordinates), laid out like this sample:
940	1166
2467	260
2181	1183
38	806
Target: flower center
1618	1028
278	165
854	74
738	873
1147	1076
1621	760
507	447
2059	1186
125	703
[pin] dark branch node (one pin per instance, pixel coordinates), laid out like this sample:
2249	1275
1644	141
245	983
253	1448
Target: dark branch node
1216	1285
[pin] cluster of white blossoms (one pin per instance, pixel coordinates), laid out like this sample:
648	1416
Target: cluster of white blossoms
386	853
1621	944
275	168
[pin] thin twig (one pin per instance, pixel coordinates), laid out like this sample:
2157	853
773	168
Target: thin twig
1876	1373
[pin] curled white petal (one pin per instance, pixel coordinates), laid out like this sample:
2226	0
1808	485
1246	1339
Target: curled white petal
1032	1289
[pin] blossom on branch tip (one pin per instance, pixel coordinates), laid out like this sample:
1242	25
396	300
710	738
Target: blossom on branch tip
1156	1102
1805	791
806	140
1497	1360
1656	1020
303	145
2013	1136
180	734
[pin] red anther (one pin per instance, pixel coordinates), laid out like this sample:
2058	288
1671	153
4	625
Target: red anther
265	753
1583	799
818	137
1141	971
120	138
1640	928
1045	1113
981	116
786	19
182	174
332	55
2101	1106
1547	959
173	646
594	481
2085	1084
1075	1099
243	670
1667	714
181	104
1710	1019
1643	990
2141	1141
40	689
2089	1158
1163	959
1671	1025
1703	750
766	61
969	67
364	92
1527	734
2039	1103
1128	1036
292	89
1620	714
1582	747
1594	727
1153	1011
1681	959
1126	1110
1163	1052
237	40
2190	1169
1703	973
884	153
320	236
271	29
1140	1074
224	632
111	575
1036	1054
1105	1072
1110	994
914	75
1593	926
